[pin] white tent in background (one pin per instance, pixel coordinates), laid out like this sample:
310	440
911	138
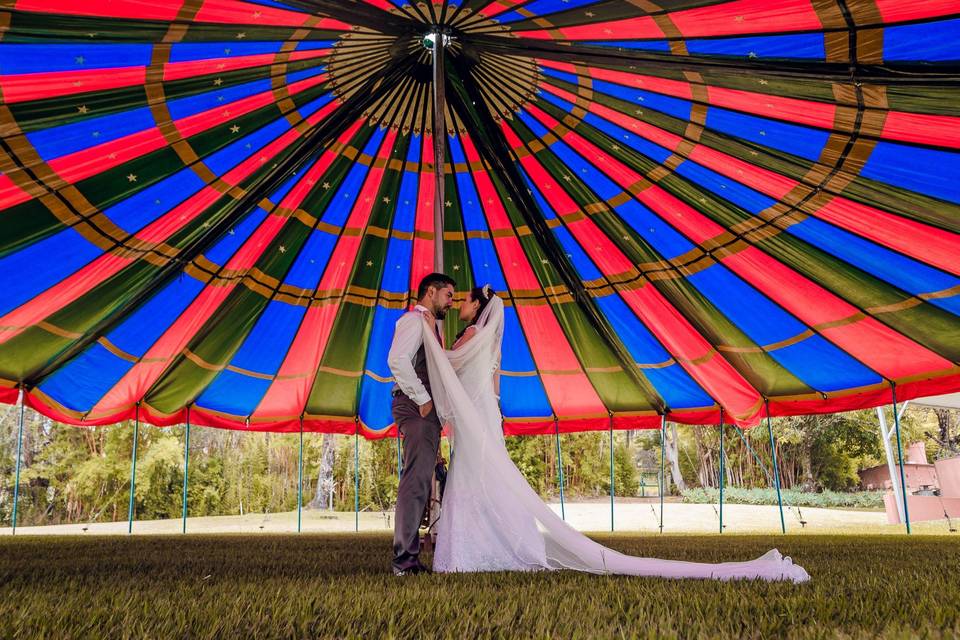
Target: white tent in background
946	401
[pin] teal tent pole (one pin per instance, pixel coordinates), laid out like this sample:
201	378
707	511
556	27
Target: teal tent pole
556	427
776	469
611	471
186	469
663	446
300	480
16	482
903	480
356	475
133	469
722	470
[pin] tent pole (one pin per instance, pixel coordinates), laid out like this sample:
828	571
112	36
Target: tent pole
556	428
16	482
611	471
439	146
356	475
776	469
903	480
133	469
663	446
300	481
722	470
186	469
885	434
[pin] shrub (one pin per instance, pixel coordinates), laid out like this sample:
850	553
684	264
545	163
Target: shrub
825	499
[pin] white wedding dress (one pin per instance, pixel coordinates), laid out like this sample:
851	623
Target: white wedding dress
491	519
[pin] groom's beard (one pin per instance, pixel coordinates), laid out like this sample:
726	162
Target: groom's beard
440	314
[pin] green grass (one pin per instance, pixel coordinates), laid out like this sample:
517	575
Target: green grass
338	586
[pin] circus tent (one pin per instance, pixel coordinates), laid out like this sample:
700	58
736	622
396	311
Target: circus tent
692	209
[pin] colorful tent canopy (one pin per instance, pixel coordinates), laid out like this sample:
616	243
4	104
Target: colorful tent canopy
689	207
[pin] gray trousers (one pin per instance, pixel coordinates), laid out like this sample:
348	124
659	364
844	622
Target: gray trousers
421	440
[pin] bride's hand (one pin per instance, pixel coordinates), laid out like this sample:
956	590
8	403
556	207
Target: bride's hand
430	318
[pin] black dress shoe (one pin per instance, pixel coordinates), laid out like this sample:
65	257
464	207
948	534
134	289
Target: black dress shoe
411	571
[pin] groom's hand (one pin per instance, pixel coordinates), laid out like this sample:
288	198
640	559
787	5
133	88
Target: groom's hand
426	408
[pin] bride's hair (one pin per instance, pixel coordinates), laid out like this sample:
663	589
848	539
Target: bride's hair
483	295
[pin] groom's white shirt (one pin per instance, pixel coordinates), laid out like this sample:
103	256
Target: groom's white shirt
407	340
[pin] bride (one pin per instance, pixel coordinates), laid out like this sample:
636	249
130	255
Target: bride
491	519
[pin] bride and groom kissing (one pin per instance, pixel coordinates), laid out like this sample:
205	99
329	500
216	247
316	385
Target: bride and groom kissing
490	517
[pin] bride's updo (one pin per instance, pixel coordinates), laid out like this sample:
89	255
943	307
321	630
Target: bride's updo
482	295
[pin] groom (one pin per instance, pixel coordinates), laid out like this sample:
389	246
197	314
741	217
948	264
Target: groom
415	416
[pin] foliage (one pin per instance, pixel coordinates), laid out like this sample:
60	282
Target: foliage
337	586
75	474
791	497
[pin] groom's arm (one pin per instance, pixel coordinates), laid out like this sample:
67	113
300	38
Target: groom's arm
407	339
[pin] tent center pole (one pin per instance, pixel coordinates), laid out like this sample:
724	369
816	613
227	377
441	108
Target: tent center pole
439	146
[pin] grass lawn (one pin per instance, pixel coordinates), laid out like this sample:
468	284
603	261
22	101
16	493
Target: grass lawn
338	585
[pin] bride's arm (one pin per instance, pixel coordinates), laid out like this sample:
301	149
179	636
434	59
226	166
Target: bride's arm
466	337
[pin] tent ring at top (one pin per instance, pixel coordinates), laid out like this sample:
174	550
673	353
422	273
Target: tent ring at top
697	209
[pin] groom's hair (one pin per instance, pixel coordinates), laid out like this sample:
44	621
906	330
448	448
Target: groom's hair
436	280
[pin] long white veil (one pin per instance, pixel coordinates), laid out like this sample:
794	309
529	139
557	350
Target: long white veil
491	518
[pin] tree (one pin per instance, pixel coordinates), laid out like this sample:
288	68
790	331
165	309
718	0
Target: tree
323	498
673	457
947	437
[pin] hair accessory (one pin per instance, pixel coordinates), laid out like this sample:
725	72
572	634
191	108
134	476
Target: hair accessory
487	293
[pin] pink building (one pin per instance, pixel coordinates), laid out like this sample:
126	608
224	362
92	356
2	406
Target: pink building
921	478
919	473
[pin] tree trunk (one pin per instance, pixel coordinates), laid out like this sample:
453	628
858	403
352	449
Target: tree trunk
321	498
706	471
673	456
949	443
806	463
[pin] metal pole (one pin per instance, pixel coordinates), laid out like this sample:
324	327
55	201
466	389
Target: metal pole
722	470
186	469
903	480
885	434
439	147
611	471
16	482
663	446
356	475
556	427
776	470
300	481
133	469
